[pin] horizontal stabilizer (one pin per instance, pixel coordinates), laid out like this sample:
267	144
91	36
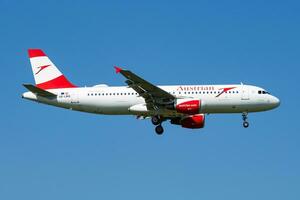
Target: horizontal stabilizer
39	91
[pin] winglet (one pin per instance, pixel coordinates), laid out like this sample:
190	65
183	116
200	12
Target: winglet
118	69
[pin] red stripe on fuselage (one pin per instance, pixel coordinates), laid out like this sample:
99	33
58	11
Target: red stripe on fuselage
59	82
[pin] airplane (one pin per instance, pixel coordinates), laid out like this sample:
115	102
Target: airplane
183	105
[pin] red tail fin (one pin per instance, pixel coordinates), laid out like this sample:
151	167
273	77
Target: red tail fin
45	73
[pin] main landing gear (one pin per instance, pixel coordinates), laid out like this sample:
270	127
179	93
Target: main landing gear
245	117
156	121
159	130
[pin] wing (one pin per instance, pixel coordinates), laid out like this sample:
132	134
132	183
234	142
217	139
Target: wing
154	96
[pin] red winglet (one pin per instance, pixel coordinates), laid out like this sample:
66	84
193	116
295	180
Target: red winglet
118	69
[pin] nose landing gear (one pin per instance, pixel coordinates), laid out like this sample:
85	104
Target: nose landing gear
245	117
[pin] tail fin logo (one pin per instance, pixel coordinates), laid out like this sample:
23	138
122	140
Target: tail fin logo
41	68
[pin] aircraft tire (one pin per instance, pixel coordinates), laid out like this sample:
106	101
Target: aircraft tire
159	130
155	120
246	124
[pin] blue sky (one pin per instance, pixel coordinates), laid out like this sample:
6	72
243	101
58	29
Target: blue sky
51	153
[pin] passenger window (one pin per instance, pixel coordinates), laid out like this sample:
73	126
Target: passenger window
259	92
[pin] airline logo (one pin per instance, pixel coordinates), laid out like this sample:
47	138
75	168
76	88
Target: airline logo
224	90
41	68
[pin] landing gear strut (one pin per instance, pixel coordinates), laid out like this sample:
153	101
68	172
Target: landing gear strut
245	117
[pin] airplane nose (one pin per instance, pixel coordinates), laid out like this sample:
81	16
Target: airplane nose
275	101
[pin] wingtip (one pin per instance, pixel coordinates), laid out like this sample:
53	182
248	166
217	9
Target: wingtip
118	69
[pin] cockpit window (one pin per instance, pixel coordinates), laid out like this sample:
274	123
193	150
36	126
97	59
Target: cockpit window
263	92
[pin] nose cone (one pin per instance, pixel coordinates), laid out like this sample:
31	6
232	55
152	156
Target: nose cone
275	102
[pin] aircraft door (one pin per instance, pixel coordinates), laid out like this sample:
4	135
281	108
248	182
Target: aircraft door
245	93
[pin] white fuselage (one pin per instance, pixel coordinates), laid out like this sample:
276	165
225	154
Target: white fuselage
123	100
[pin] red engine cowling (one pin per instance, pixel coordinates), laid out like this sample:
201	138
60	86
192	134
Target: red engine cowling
193	121
190	107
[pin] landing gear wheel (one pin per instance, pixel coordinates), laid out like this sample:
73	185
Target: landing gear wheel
159	130
155	120
246	124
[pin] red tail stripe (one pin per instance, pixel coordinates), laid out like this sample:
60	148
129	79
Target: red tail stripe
35	53
59	82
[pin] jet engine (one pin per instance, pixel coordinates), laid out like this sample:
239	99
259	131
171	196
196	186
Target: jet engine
188	106
191	121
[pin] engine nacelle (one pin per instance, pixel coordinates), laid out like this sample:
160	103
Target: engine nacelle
192	121
188	106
